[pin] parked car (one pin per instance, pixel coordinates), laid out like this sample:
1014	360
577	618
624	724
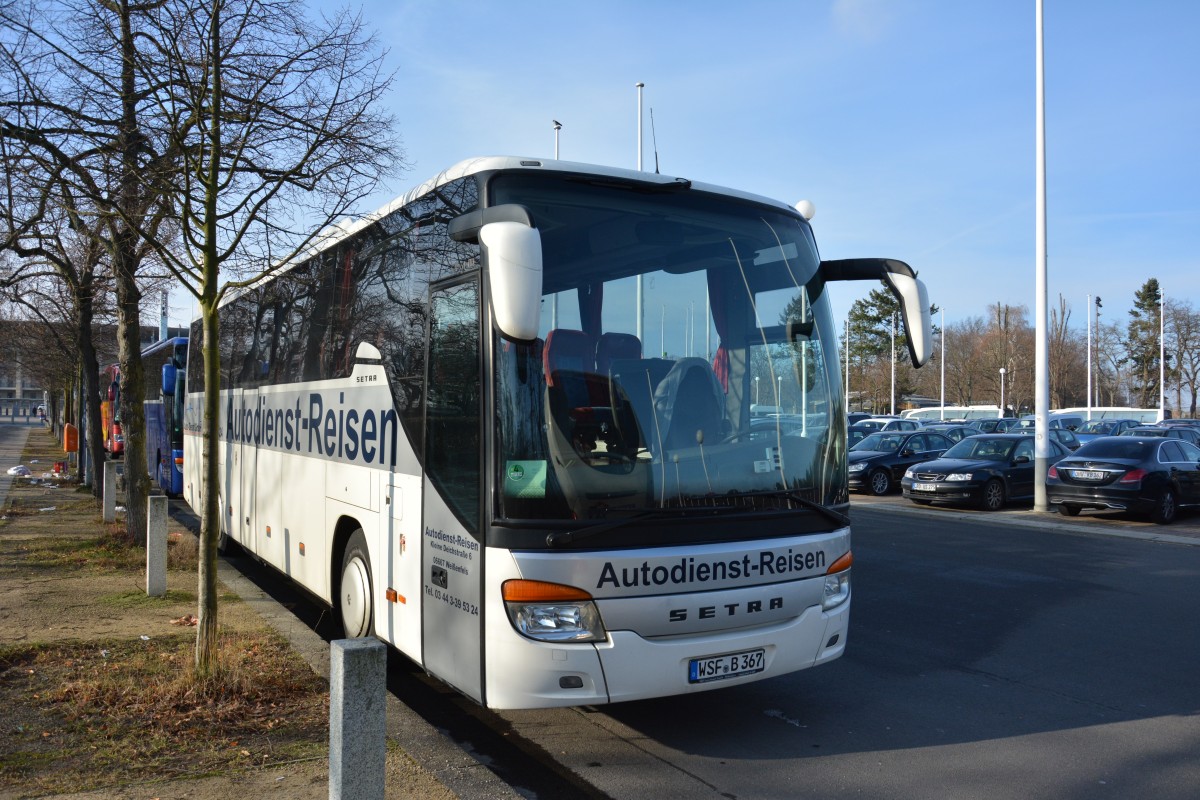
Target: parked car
878	461
1071	421
856	433
1001	425
889	424
1152	475
854	417
1066	437
1183	432
954	431
988	470
1104	427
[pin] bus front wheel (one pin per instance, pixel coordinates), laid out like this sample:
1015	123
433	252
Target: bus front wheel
354	588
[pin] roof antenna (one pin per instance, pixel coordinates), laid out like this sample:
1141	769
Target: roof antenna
653	140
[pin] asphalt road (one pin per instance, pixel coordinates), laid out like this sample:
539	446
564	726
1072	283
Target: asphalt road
1010	655
990	656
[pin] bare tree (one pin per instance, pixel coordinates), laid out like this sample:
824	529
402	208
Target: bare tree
276	117
1183	339
58	279
1068	360
72	109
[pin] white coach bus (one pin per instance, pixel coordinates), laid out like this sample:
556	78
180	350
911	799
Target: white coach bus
934	413
504	425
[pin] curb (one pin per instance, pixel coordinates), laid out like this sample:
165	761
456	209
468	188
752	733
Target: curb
1047	521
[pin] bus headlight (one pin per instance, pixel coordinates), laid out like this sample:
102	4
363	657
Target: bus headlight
551	612
837	583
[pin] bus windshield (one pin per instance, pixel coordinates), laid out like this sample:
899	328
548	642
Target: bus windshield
684	357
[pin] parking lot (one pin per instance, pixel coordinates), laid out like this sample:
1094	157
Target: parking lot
1108	523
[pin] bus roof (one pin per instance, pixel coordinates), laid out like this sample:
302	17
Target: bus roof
347	227
163	344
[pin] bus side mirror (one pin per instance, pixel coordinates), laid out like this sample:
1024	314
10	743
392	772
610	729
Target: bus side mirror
910	292
914	309
168	378
512	252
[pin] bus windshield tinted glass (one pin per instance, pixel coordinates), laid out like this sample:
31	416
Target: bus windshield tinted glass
685	357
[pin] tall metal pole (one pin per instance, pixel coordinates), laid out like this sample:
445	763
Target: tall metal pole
942	414
1162	352
1089	360
893	410
557	128
1002	414
641	288
1041	441
847	363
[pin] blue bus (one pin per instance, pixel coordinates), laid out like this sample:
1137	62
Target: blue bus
165	366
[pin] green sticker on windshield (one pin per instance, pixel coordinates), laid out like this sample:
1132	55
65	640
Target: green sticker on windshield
525	479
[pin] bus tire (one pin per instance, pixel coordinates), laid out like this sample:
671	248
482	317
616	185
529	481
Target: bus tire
354	596
226	545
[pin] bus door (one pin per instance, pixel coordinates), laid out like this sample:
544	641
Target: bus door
451	536
401	520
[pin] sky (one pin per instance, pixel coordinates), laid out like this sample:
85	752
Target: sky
909	124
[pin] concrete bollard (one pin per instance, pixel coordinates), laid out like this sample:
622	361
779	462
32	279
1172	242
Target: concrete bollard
110	491
357	719
156	547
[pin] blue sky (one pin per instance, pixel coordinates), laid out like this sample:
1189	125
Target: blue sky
910	124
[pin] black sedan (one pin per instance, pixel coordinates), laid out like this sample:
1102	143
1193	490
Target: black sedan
987	470
1104	427
1165	431
955	432
878	461
1152	475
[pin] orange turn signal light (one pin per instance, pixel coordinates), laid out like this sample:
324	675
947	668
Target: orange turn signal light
841	564
523	591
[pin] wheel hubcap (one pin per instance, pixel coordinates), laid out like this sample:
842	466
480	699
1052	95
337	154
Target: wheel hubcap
355	608
994	496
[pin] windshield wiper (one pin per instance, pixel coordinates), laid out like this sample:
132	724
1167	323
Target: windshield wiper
566	537
801	500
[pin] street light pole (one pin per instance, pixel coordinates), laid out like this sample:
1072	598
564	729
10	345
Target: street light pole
1089	358
942	414
1041	406
1162	352
893	410
1002	406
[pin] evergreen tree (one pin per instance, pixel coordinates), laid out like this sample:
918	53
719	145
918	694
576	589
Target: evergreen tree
1142	345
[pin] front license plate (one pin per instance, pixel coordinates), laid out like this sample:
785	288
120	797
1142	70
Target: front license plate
924	487
731	665
1087	475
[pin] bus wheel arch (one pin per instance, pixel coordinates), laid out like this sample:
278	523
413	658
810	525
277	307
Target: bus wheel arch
353	581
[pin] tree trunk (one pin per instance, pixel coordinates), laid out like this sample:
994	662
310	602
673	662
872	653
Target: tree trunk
210	519
90	366
125	264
